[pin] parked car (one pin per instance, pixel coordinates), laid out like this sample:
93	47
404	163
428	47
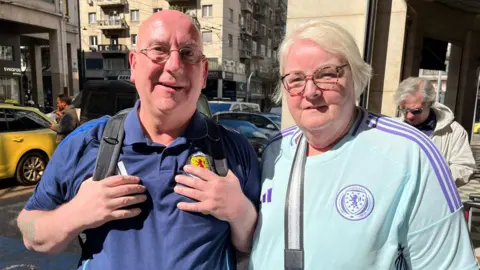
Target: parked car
233	106
476	128
255	136
107	97
26	143
268	126
276	118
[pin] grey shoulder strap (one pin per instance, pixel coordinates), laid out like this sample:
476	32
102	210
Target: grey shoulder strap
294	253
110	147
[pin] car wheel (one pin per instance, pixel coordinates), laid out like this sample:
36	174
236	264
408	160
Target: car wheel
30	168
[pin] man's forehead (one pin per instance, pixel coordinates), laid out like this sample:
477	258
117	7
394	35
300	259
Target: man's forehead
160	32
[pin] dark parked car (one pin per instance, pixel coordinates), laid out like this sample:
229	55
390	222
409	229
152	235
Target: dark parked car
107	97
255	136
270	127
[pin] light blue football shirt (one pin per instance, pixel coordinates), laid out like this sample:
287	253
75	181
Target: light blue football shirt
382	198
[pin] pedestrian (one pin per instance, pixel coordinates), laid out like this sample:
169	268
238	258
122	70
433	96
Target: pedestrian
416	100
67	118
159	213
346	188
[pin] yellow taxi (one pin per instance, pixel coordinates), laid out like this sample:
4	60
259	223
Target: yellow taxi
476	128
26	143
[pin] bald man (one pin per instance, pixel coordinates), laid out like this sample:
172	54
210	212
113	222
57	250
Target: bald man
160	213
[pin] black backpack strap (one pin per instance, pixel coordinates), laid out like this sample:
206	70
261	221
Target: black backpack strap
216	148
110	147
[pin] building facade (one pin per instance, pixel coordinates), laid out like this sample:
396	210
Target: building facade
38	50
240	40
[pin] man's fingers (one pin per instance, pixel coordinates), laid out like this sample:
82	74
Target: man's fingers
198	207
202	173
126	201
189	192
118	180
125	213
191	182
120	191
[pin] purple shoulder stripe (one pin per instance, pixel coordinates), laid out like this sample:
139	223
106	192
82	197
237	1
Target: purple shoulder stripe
436	159
280	136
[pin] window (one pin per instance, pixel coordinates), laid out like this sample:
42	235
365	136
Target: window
134	15
114	40
207	11
240	20
263	52
230	14
264	30
254	48
269	43
255	25
92	18
20	120
10	87
93	41
6	52
270	15
207	36
133	38
155	10
269	33
3	121
230	40
94	64
269	53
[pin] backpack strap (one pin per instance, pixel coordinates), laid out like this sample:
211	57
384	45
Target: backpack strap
110	147
216	148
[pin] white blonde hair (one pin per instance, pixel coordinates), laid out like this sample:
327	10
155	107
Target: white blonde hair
332	38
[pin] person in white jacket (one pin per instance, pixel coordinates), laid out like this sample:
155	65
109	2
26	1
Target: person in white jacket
416	100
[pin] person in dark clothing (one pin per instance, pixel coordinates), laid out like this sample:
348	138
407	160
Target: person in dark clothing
67	118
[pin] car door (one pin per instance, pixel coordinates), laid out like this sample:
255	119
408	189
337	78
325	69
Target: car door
26	131
3	153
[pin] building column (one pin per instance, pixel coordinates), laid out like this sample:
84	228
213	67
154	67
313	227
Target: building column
387	55
37	75
220	88
55	65
467	91
454	65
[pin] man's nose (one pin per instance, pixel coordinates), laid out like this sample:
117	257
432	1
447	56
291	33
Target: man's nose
410	116
173	62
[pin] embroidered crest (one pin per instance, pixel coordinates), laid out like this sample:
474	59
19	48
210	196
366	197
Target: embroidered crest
355	202
199	160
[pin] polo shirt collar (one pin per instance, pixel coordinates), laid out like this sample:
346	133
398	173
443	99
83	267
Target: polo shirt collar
196	129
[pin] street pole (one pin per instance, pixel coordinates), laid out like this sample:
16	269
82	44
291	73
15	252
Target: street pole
248	85
439	85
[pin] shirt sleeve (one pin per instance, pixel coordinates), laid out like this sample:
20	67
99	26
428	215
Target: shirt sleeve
58	184
461	161
247	167
437	235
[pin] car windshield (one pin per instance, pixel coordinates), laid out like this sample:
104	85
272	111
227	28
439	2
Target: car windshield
219	107
277	119
246	128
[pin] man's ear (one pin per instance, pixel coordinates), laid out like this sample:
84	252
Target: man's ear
132	59
205	73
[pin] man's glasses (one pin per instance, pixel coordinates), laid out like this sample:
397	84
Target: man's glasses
412	111
160	54
325	78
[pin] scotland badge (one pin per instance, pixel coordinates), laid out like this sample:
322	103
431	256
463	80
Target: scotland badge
355	202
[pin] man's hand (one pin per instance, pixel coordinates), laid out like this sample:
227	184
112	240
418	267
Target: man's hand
101	201
221	197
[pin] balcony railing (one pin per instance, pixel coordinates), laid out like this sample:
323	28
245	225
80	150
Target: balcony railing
247	6
112	48
111	3
245	53
112	24
257	35
182	2
246	30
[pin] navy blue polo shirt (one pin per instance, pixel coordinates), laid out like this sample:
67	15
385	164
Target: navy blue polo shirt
162	236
